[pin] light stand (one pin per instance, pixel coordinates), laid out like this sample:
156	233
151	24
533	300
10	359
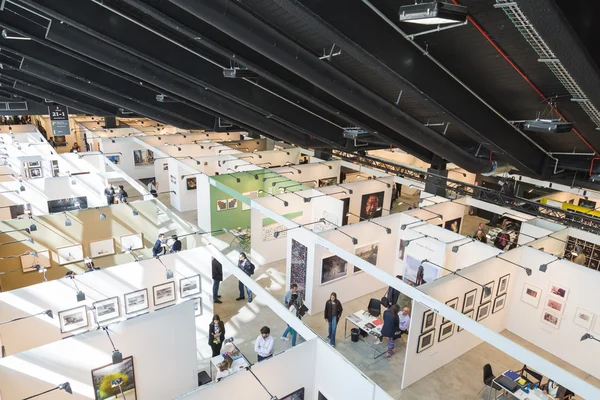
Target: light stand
337	228
63	386
45	312
169	270
276	234
130	251
588	336
458	246
18	241
308	199
387	230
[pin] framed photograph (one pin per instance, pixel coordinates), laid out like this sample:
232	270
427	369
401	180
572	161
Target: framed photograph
558	291
418	272
69	254
328	182
190	183
42	258
116	159
483	311
222	205
469	301
73	319
468	314
189	286
446	330
549	318
70	204
484	298
143	157
333	268
232	203
132	242
499	303
428	323
107	310
556	306
584	318
36	172
197	306
34	164
371	205
164	293
503	285
452	304
531	295
165	166
453	225
425	341
136	301
367	253
102	248
103	378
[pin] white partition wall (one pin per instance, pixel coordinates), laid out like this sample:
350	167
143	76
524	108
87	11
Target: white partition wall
183	184
316	174
537	228
164	359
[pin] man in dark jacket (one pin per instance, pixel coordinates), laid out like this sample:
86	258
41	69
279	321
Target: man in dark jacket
158	248
245	265
217	276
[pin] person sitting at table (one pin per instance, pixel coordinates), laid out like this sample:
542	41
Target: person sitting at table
391	327
556	391
480	236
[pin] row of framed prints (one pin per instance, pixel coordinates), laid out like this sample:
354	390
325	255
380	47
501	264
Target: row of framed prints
109	309
485	308
74	253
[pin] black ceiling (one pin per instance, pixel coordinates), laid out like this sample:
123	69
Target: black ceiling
107	57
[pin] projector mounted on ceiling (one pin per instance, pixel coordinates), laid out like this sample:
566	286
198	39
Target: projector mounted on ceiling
547	126
433	13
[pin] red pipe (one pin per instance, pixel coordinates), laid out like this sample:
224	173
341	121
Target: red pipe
538	91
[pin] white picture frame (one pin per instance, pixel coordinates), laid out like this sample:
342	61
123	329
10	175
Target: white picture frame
197	306
102	248
551	318
73	319
136	301
134	241
531	295
28	260
107	310
164	293
70	254
584	318
557	306
558	291
190	286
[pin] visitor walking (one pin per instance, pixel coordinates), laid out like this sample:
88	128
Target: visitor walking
297	303
217	276
216	335
122	194
294	310
333	313
109	193
159	246
245	265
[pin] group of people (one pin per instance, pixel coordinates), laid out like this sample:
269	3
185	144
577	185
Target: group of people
396	318
111	194
161	246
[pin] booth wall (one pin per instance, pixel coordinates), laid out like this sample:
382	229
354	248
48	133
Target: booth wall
164	359
126	146
419	365
182	198
564	342
312	172
240	386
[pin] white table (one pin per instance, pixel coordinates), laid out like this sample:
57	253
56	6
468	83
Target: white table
534	394
361	319
238	365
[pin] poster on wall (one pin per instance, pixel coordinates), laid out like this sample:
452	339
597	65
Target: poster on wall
371	205
367	253
40	257
453	225
142	158
298	269
190	183
102	248
232	204
328	182
222	205
70	204
332	269
70	254
132	242
111	379
418	272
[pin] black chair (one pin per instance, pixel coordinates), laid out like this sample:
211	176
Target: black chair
385	302
203	378
374	307
488	379
531	376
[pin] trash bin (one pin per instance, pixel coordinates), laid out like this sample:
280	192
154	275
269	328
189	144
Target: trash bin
354	332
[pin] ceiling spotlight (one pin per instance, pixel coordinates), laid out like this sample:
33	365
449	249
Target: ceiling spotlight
102	216
528	271
68	222
276	234
455	249
433	13
80	296
543	268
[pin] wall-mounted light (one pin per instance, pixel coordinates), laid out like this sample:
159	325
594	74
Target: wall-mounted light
63	386
456	248
285	203
80	295
386	183
387	230
588	336
527	270
117	357
102	216
308	199
67	220
45	312
18	241
544	267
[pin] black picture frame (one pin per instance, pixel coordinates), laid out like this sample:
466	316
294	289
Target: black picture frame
486	304
498	292
443	328
158	302
449	303
484	299
495	308
431	335
424	327
295	395
472	293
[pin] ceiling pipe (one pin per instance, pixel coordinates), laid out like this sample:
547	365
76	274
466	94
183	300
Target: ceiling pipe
252	32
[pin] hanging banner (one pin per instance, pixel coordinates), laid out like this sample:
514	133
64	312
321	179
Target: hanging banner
59	120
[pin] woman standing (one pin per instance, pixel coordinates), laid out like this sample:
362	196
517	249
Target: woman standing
291	305
333	313
391	327
216	335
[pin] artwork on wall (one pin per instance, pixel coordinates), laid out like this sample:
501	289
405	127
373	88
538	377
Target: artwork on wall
222	205
499	303
136	301
555	305
251	195
367	253
173	179
298	268
189	286
371	205
453	225
591	251
70	254
558	291
483	311
70	204
34	164
107	310
503	285
425	340
428	320
103	378
488	297
584	318
132	242
197	306
419	273
164	293
310	184
296	395
20	210
190	183
165	166
232	204
102	248
42	258
452	304
270	226
328	182
73	319
587	204
35	172
401	249
531	295
143	157
114	159
333	268
469	301
468	314
549	318
446	330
